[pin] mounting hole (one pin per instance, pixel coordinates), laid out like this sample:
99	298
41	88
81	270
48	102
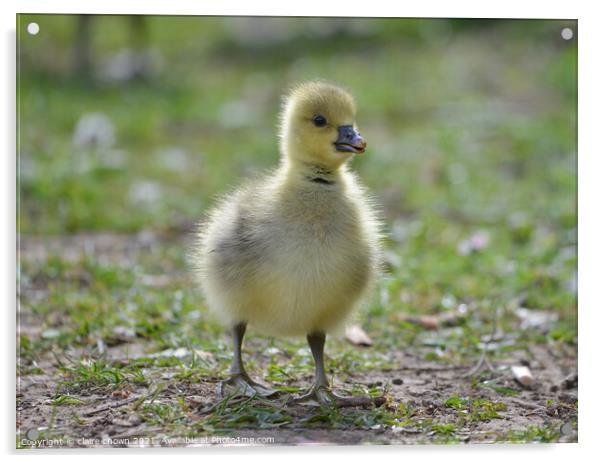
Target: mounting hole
33	28
566	33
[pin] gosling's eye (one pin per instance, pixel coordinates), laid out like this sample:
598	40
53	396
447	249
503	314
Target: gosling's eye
319	121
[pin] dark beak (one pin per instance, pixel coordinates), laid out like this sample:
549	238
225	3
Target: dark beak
350	140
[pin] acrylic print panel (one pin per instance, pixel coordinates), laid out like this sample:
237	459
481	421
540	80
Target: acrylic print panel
131	129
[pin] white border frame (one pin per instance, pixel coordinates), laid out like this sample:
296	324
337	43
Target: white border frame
590	231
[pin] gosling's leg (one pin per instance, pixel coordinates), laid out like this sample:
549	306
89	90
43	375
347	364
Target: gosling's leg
320	390
239	382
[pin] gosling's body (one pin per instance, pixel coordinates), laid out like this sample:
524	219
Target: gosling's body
296	251
290	253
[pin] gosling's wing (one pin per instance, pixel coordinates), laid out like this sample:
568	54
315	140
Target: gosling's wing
230	240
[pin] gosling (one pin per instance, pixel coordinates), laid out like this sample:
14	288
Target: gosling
295	251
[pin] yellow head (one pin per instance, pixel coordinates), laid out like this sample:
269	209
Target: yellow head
318	126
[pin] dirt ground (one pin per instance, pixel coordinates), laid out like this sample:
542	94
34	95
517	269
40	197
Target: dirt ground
427	401
110	421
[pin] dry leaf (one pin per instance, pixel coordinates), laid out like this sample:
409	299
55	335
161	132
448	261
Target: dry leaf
121	393
430	322
357	336
433	322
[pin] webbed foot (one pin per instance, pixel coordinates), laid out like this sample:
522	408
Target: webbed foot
241	385
325	397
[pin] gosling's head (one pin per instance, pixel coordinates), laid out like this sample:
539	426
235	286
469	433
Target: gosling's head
318	126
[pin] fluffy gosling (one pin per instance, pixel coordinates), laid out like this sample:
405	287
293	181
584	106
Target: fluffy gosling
295	251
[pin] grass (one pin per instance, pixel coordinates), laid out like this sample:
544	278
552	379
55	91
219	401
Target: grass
534	434
472	157
476	409
65	399
99	373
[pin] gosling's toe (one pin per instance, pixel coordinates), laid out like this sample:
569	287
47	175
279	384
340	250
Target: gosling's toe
326	398
242	385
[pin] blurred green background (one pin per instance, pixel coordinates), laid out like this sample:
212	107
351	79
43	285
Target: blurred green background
471	126
471	119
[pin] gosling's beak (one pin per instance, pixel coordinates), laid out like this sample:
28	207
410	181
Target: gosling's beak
350	140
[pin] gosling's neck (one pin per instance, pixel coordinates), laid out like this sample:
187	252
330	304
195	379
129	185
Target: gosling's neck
301	171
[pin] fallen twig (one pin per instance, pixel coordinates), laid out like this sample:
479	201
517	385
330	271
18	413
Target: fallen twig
449	368
484	349
110	406
526	404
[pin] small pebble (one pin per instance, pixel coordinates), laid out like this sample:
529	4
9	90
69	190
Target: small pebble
566	429
567	397
570	382
523	375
